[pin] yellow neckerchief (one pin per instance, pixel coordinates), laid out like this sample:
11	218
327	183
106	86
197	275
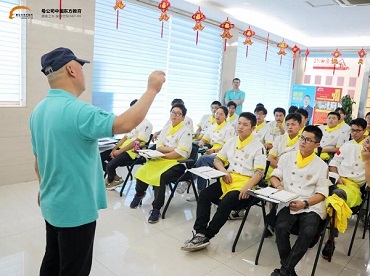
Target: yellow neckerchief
361	143
291	142
258	127
331	129
219	126
366	133
212	119
341	124
303	162
173	129
276	126
242	144
229	119
301	131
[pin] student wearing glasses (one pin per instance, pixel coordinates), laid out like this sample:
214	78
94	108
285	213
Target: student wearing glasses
350	167
303	173
175	142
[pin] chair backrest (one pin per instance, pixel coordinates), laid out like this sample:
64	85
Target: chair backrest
193	155
146	145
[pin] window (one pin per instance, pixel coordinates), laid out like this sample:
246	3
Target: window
264	82
124	57
12	65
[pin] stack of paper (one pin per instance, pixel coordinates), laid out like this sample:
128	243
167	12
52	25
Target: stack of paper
207	172
280	195
150	154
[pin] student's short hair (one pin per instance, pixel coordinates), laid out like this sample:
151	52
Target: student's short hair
231	103
292	109
367	114
182	107
295	117
334	113
315	130
133	102
224	108
361	122
250	117
177	101
302	111
236	79
307	96
340	109
280	109
260	107
216	102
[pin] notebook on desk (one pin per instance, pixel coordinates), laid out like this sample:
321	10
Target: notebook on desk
207	172
280	195
150	154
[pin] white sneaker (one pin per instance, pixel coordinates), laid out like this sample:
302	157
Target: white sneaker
191	198
182	187
110	186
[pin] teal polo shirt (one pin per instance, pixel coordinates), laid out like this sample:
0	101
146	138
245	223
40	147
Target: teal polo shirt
64	133
231	96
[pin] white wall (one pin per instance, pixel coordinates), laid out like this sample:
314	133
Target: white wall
43	35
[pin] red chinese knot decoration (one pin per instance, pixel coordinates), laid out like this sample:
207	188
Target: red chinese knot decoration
336	54
267	45
295	51
164	5
118	6
249	33
226	26
361	54
282	46
198	17
305	58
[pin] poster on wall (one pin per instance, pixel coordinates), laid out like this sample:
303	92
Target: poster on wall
317	100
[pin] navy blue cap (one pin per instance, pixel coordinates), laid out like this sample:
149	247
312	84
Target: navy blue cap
57	58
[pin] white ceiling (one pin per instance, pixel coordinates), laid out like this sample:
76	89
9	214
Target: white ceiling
311	23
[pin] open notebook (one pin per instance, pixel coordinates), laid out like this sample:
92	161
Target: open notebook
207	172
150	154
280	195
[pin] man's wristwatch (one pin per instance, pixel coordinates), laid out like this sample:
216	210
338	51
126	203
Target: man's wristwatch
306	204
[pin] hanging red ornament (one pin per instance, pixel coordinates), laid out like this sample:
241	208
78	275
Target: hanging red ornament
295	51
249	33
164	5
118	6
198	17
267	45
226	26
336	54
60	9
305	58
362	54
282	46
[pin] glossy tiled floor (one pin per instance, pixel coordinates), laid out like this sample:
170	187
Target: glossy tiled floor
127	245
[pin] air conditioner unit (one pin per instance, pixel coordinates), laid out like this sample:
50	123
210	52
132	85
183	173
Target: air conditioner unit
349	3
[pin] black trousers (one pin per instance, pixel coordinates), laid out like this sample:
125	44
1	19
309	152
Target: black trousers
68	251
171	175
228	203
121	160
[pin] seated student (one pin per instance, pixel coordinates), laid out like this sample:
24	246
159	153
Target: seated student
187	121
347	163
287	142
216	136
304	115
262	130
305	174
277	127
232	118
206	121
246	158
175	142
123	153
367	118
346	129
332	138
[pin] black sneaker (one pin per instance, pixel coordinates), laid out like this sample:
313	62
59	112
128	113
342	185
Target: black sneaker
327	252
237	214
196	243
154	216
136	201
278	272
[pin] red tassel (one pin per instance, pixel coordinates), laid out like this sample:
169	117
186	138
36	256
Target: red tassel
246	52
162	30
196	40
267	45
333	69
293	62
359	70
225	45
117	19
281	58
60	9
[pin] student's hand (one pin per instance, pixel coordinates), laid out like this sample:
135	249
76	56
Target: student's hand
210	151
201	143
115	153
227	178
296	205
155	81
341	181
244	193
155	136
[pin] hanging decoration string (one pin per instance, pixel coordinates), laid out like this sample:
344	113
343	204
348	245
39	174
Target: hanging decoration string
164	5
119	5
249	33
198	17
226	26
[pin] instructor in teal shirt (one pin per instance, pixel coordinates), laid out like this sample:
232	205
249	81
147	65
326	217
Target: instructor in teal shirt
235	95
